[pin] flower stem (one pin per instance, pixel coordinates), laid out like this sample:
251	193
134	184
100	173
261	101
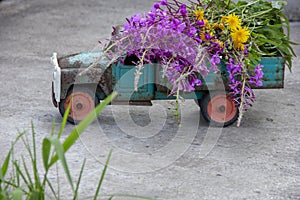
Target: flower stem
242	101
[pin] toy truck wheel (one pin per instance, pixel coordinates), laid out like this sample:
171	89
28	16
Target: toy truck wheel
219	109
83	102
197	101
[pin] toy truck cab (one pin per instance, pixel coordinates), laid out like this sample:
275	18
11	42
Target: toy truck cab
84	79
87	78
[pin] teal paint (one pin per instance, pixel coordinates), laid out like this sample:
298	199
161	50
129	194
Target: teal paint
124	78
151	84
87	58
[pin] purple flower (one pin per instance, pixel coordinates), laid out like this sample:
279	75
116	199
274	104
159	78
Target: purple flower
200	23
193	31
198	40
163	2
183	10
181	27
207	36
126	27
176	22
256	79
156	5
246	52
175	43
216	59
136	18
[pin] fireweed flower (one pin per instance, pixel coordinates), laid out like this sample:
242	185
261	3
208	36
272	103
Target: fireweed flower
200	23
258	75
191	43
183	10
156	5
163	2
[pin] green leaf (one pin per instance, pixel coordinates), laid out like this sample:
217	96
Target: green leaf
51	188
278	4
46	149
34	157
17	194
75	133
34	195
20	173
78	181
5	164
102	175
3	194
64	121
61	155
30	183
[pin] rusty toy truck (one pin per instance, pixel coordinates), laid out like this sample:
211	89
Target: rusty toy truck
73	78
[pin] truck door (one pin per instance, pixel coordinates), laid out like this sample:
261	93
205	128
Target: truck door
124	75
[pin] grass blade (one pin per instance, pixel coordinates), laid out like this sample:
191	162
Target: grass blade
46	149
61	155
53	127
27	172
34	158
75	133
79	179
17	194
5	164
102	175
20	173
51	188
4	167
64	121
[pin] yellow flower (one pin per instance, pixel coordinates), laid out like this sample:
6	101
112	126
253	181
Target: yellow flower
202	36
240	35
224	19
206	24
199	14
219	26
233	21
239	46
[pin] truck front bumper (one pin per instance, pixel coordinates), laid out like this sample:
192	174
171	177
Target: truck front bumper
56	82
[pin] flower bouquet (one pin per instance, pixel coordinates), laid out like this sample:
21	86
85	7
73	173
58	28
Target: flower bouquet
191	41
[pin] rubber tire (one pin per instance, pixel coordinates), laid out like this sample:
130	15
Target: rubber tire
205	114
197	101
80	89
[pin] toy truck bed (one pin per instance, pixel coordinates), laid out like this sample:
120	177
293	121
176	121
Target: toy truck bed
88	77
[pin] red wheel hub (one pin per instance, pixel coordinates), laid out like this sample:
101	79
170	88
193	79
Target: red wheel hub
82	104
221	108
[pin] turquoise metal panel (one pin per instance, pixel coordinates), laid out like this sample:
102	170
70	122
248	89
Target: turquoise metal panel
185	95
273	72
84	60
124	76
273	78
151	83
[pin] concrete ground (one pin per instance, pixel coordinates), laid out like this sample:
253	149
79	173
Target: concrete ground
151	156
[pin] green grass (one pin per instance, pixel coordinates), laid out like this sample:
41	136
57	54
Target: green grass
25	180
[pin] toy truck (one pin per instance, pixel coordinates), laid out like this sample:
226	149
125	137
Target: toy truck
86	78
